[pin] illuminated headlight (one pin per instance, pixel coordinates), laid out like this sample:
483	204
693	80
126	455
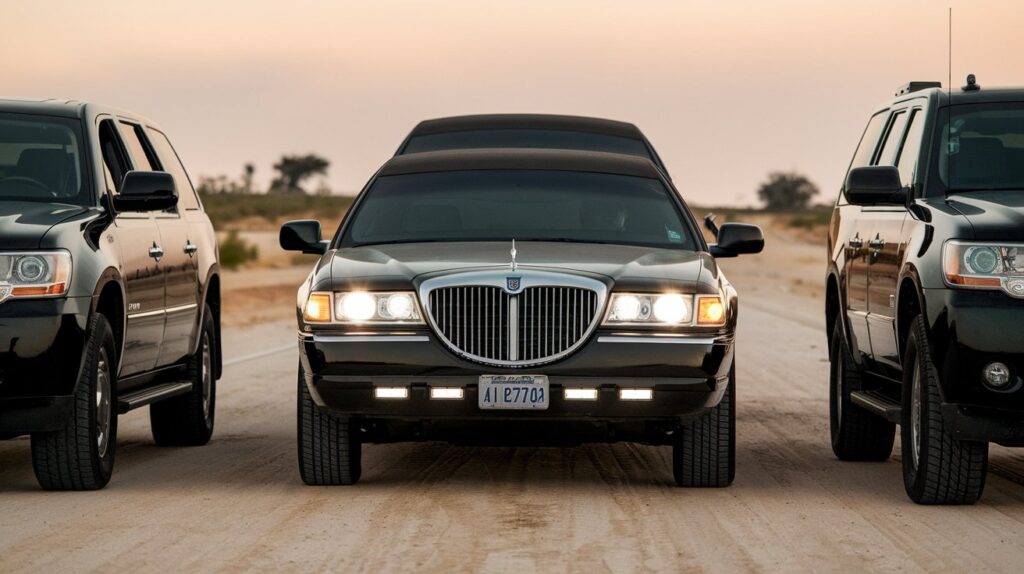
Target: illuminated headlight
362	307
984	266
38	274
665	309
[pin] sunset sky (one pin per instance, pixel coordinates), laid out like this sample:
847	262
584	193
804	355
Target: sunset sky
726	91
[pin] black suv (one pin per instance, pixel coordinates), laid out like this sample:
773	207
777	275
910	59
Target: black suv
925	302
109	289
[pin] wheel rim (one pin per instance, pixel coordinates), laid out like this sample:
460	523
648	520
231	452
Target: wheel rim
206	377
915	416
103	411
837	378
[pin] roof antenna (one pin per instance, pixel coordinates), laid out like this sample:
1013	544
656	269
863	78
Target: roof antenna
949	106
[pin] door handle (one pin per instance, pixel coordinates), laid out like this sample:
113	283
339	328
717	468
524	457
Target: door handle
856	242
877	243
156	252
191	248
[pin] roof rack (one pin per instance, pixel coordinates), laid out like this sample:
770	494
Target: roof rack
917	86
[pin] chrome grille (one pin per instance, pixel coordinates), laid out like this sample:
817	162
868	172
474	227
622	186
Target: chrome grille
536	325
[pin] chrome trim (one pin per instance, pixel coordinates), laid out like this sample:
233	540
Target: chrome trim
670	339
145	314
530	278
164	311
370	338
180	308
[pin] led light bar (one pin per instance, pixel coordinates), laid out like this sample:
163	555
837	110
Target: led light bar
391	392
446	393
581	394
636	394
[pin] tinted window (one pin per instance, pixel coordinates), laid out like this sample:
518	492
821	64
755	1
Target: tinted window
869	141
42	159
499	205
981	149
527	138
169	162
115	164
893	139
907	158
142	157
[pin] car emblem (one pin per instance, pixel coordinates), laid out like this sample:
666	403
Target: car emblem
513	265
1015	287
512	284
5	291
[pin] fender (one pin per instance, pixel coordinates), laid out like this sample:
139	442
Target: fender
909	273
108	276
212	272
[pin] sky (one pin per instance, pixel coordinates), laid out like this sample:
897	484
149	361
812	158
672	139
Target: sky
727	91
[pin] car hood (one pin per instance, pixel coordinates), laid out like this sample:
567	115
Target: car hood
398	266
24	223
994	215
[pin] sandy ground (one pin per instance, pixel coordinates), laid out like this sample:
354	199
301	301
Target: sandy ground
238	504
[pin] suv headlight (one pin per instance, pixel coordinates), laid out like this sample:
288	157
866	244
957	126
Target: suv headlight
984	266
360	307
34	274
665	309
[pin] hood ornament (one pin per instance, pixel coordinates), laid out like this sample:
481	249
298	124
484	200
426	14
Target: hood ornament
513	264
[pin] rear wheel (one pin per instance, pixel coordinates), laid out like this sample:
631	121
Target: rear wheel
937	468
80	456
704	453
857	434
187	420
330	452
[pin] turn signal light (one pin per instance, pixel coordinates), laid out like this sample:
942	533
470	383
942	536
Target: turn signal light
318	308
710	311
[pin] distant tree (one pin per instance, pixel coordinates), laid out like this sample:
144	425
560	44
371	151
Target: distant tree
249	170
294	169
786	191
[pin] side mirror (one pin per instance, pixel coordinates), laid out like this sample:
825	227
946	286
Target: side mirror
146	191
303	235
875	185
738	239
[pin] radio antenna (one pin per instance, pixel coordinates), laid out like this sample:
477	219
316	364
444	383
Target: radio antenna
949	106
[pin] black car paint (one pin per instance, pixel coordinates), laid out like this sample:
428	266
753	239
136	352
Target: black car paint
691	378
42	339
904	278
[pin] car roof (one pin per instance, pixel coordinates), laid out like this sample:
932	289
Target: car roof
520	159
959	97
51	107
526	121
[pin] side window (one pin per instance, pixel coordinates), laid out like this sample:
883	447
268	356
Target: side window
170	163
115	163
869	142
907	158
142	154
893	139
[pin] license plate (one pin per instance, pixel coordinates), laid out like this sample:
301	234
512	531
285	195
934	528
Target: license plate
528	392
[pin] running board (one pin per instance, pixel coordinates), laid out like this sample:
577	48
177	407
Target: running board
877	403
151	395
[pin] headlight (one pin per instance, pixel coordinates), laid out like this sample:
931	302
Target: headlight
664	309
984	266
362	307
39	274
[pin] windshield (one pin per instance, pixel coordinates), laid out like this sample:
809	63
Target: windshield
526	205
41	159
527	138
982	149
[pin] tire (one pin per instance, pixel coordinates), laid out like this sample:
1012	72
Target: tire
80	456
704	453
330	452
937	468
857	434
187	420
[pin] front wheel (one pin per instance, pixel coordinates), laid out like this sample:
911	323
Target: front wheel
80	456
330	452
937	468
704	452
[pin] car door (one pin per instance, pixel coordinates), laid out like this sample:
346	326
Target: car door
859	222
887	241
176	261
138	239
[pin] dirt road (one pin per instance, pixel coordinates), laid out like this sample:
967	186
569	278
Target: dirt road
238	504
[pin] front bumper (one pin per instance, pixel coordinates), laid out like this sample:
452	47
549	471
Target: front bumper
41	342
987	424
687	375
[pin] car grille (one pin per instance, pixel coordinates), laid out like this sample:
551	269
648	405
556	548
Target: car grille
537	325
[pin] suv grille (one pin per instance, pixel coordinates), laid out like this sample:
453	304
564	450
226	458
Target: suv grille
537	325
